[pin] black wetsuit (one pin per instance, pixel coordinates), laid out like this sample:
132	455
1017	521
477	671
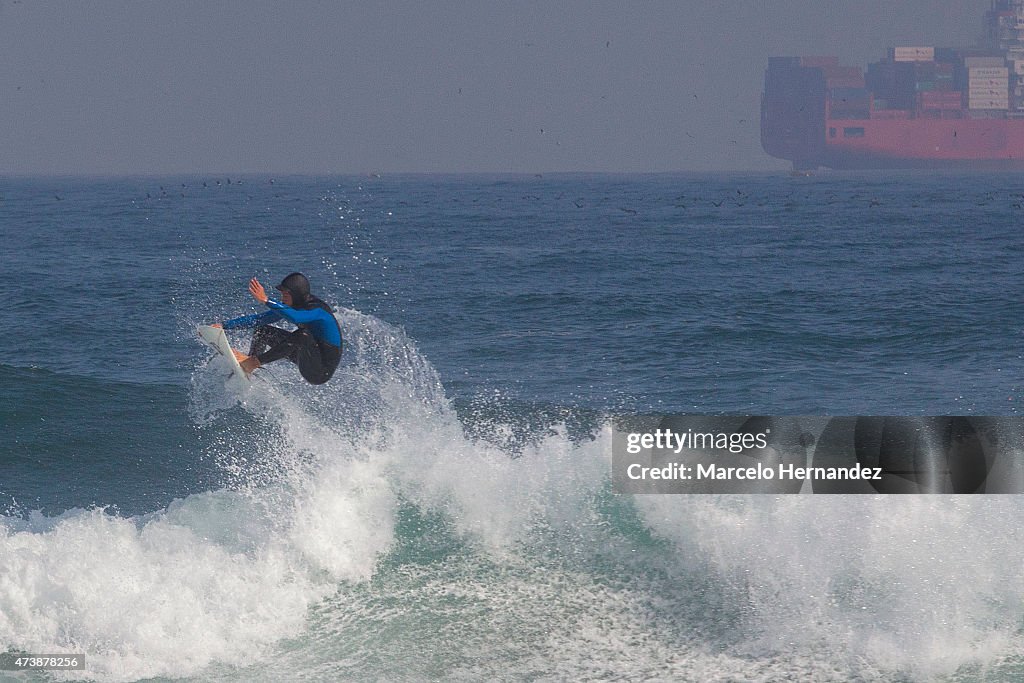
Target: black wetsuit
317	359
315	347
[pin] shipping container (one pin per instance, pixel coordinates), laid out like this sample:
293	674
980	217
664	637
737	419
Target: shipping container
987	92
987	72
936	100
833	83
941	95
988	104
894	82
994	81
842	72
890	114
819	61
912	54
984	62
979	88
776	64
849	94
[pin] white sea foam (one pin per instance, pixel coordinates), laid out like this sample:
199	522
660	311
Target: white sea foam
921	585
220	575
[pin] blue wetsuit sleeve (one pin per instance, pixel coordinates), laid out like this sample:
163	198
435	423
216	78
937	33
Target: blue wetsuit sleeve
254	320
323	325
295	315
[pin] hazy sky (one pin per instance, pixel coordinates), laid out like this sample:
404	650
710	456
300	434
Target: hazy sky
111	87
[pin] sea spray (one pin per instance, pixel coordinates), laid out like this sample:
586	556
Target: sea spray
147	599
219	575
922	585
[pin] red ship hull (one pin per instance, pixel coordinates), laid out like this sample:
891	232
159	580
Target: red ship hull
923	143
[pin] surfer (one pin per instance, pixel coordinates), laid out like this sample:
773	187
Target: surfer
315	346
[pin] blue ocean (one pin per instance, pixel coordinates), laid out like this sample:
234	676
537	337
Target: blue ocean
442	508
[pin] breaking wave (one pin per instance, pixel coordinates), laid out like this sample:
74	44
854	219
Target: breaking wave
366	530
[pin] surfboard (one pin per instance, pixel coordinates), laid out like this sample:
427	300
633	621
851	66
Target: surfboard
215	338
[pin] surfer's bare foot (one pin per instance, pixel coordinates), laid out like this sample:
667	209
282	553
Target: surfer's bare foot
249	364
239	356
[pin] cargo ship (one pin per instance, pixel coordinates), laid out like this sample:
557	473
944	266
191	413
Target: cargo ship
920	107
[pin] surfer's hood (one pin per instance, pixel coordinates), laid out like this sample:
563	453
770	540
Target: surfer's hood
297	285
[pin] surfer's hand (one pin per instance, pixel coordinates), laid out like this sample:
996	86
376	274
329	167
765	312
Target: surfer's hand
256	289
216	325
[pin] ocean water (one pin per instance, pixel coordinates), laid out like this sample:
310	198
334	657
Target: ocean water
442	510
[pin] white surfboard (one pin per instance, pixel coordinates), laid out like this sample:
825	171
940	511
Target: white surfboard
215	338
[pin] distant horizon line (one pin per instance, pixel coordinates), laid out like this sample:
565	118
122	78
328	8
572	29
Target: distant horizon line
517	175
249	175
